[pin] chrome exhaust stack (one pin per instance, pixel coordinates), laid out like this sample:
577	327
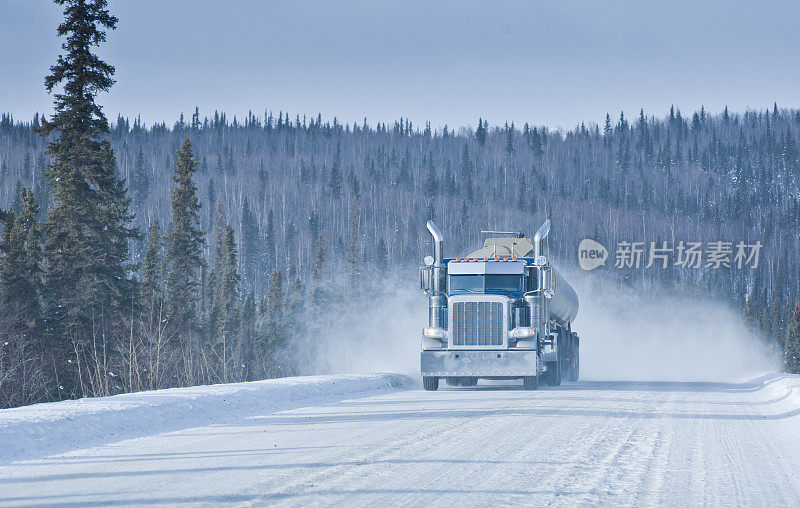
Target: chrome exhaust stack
437	315
537	301
540	235
438	243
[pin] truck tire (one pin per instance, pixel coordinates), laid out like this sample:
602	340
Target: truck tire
553	374
530	382
430	383
469	381
453	381
573	372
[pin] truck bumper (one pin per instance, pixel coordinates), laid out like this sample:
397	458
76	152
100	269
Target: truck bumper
479	363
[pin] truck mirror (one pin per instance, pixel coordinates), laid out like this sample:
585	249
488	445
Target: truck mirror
544	280
425	279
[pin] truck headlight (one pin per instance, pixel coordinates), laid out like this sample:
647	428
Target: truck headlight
522	333
434	333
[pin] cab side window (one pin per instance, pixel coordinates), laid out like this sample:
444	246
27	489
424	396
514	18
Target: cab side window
530	280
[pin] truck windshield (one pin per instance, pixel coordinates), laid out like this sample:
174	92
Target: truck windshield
493	283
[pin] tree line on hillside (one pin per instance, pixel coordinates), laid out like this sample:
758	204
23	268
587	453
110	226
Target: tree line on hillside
137	257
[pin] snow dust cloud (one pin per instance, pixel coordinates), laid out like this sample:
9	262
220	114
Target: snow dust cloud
376	332
658	335
649	334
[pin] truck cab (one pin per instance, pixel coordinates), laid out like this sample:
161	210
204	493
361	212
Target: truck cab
502	312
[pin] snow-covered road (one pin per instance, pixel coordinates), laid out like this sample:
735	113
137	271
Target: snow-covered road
620	443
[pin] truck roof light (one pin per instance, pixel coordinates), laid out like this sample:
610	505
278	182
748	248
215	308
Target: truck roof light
505	259
513	259
474	259
486	259
458	259
497	259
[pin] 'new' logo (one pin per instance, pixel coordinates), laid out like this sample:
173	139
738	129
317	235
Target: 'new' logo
591	254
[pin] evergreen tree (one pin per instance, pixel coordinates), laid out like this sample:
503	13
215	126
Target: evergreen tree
250	236
449	180
274	339
314	224
354	245
41	189
607	131
466	174
141	179
20	270
247	333
290	241
510	150
522	193
22	353
153	308
317	275
211	202
381	255
792	345
480	132
269	240
293	319
335	181
87	229
217	262
152	286
26	166
536	142
431	185
16	206
752	309
404	176
185	244
263	175
223	338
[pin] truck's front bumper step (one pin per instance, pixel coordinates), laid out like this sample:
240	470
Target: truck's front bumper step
479	363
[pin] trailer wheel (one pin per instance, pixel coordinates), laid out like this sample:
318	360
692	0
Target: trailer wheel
469	381
573	371
453	381
530	382
430	383
573	368
553	374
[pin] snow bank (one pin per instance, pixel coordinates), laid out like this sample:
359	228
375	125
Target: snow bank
783	387
55	427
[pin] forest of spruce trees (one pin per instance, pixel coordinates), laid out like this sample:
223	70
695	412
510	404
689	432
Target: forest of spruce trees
137	257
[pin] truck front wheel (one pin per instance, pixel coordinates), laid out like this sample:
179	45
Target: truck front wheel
530	382
430	383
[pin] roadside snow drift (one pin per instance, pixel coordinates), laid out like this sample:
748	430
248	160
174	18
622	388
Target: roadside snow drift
46	429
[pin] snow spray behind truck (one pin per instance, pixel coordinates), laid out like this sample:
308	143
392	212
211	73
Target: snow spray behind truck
502	312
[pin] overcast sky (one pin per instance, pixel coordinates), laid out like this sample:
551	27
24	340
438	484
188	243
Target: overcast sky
549	63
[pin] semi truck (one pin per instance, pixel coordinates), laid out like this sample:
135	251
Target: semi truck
501	312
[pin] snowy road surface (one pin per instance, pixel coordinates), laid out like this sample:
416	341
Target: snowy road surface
620	443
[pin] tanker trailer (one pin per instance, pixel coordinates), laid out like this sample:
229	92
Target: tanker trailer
501	312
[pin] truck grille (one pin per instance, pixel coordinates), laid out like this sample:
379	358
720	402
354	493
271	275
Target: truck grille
477	324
